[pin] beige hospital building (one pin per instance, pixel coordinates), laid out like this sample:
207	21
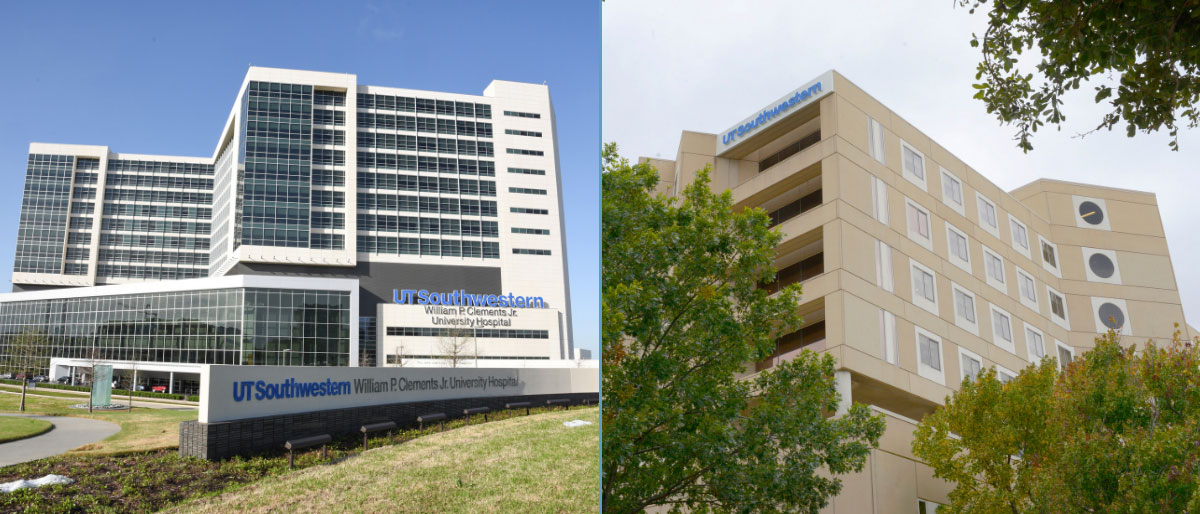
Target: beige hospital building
918	271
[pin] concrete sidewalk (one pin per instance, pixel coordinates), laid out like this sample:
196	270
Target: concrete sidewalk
68	433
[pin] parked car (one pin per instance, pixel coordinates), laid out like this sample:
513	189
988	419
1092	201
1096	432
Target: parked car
159	389
63	380
40	378
6	376
139	388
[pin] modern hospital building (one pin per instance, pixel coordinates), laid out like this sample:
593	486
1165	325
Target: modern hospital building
333	224
919	272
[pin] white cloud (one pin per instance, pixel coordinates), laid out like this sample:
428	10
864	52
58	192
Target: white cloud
706	65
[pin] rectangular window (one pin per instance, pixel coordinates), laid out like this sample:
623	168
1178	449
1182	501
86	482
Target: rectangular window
995	267
987	214
1004	376
1066	355
970	366
1026	285
1056	305
958	245
1001	326
923	286
1020	235
1050	257
887	336
883	266
879	199
964	305
951	190
918	221
914	162
875	139
1037	347
931	354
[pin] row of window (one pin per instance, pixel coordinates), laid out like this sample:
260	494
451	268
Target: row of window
407	203
530	251
527	191
529	133
518	114
526	210
422	124
412	224
479	333
146	256
172	168
532	231
426	184
423	246
154	181
526	171
145	225
404	162
423	105
521	151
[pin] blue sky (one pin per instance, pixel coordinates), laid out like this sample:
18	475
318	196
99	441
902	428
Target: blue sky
158	80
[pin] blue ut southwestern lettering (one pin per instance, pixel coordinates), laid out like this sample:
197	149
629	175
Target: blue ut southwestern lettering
465	299
770	113
247	390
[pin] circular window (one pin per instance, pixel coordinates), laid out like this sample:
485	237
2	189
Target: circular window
1111	316
1101	265
1091	213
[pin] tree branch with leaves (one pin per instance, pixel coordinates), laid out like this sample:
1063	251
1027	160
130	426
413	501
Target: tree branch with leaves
1150	48
682	316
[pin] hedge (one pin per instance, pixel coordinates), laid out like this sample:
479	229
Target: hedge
115	392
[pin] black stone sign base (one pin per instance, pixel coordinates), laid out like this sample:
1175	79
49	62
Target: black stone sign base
225	439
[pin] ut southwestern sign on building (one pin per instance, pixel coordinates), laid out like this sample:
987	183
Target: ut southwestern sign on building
775	111
464	299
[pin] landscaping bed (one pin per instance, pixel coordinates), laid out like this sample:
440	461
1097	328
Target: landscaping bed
146	481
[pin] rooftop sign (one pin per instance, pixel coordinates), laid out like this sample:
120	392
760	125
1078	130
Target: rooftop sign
775	111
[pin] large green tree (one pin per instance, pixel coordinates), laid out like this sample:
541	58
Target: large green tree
1149	48
682	316
1116	431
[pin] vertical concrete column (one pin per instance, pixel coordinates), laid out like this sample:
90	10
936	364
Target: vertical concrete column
841	381
133	385
171	384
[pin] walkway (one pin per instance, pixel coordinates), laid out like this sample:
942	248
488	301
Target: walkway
68	433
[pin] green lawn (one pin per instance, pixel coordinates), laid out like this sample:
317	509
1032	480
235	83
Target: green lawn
521	464
141	429
12	428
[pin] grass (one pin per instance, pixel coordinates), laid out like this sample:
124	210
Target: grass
521	464
12	429
43	392
141	429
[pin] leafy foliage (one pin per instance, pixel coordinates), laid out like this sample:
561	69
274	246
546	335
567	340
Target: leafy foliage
1115	432
1151	46
682	316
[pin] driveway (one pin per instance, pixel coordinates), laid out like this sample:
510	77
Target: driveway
68	433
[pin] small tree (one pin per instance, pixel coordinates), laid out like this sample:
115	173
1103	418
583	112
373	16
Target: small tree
400	354
25	353
455	346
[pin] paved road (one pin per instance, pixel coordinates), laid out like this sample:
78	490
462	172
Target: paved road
68	433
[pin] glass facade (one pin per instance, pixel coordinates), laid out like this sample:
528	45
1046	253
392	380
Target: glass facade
276	183
156	220
44	203
425	183
251	326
